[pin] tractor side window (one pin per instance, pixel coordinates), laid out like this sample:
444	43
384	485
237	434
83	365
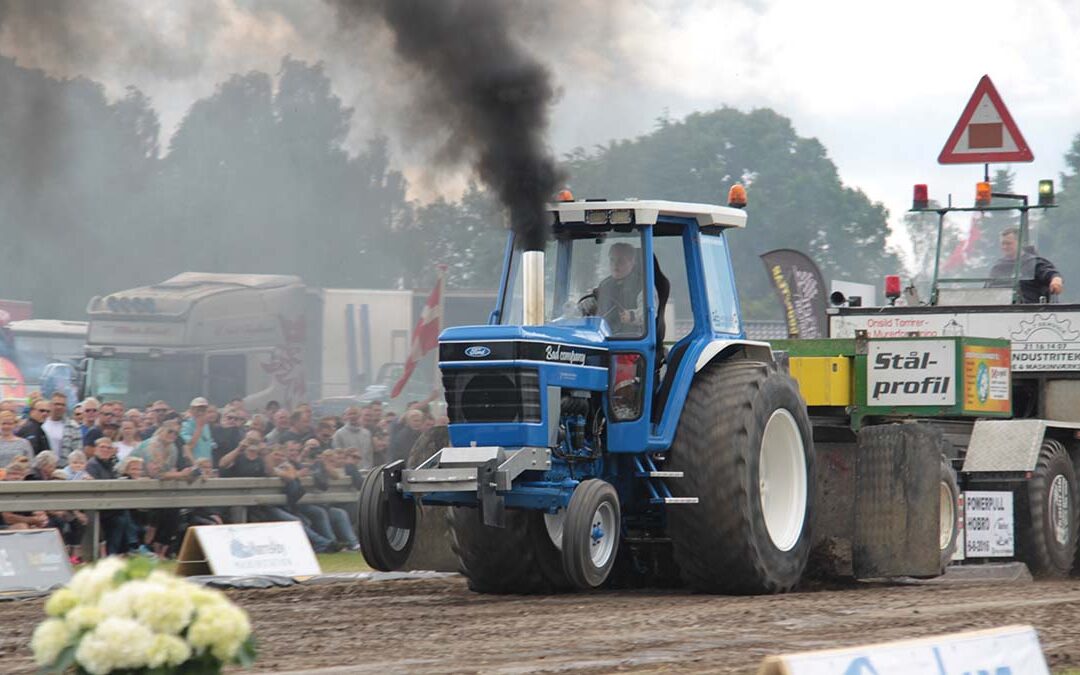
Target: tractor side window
678	314
720	284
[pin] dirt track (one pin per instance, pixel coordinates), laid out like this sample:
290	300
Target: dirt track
437	625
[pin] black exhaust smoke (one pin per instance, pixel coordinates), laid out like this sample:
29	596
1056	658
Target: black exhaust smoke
481	87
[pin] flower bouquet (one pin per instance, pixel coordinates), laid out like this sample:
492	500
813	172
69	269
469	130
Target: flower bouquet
124	616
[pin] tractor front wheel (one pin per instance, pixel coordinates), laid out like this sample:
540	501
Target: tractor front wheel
384	546
590	536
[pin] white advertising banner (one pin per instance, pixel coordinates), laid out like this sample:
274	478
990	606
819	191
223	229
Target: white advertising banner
911	372
988	525
1010	649
257	548
1042	339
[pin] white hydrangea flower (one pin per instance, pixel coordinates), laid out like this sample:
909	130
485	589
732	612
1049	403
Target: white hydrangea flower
167	650
161	608
83	618
90	582
60	602
49	639
206	597
221	628
115	644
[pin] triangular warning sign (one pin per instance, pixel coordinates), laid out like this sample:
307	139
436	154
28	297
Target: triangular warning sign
986	132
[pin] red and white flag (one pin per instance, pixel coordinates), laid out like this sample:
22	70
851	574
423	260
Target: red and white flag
426	334
965	250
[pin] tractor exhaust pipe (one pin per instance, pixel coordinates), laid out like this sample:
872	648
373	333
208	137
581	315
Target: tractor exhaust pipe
532	263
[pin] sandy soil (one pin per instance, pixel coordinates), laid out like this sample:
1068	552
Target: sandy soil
437	625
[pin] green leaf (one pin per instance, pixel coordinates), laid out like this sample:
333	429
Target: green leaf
139	568
245	656
64	660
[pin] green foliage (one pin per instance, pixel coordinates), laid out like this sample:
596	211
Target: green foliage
1057	229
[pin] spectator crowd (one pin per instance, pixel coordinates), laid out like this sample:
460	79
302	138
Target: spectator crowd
101	440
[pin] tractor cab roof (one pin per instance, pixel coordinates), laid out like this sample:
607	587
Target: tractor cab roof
644	212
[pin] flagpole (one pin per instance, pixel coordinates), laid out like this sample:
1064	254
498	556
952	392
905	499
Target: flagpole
436	382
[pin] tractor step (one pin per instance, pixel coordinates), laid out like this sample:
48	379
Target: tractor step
676	500
659	474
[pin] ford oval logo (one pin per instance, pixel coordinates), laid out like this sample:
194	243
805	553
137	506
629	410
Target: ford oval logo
477	351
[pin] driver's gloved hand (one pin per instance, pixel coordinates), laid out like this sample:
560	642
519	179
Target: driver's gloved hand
588	305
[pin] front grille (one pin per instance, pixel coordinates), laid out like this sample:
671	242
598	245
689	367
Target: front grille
478	395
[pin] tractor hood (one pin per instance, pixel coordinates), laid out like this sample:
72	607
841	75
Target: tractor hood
577	342
504	384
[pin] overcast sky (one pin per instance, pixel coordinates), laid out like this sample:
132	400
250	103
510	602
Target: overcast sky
880	84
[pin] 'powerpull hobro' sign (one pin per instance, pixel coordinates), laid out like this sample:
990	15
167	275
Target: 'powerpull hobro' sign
911	373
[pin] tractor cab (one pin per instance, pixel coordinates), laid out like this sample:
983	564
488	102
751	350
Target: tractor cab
623	293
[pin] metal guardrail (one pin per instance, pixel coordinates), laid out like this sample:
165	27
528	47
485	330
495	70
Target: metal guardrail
94	496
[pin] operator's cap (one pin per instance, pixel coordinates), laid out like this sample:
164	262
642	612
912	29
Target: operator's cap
199	402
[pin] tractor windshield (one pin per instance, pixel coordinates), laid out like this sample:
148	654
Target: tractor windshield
588	272
981	260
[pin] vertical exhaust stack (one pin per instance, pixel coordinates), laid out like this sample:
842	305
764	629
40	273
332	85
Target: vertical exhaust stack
532	265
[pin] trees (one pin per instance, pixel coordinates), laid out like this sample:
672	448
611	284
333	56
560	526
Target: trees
1057	228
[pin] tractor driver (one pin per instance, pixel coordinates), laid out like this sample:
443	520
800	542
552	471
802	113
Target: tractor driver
1039	278
619	297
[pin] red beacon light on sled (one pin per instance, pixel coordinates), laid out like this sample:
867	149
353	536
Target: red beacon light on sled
892	287
921	198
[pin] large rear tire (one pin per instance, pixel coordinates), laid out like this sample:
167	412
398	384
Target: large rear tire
1046	535
384	547
519	558
745	448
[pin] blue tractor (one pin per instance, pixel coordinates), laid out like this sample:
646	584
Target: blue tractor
612	420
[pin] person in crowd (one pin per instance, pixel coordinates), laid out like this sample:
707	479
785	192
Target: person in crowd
162	455
374	416
195	431
70	524
227	435
258	422
249	460
11	446
132	468
16	470
281	425
353	434
380	446
43	466
115	523
330	466
95	415
297	429
63	434
271	409
77	415
298	456
1039	279
406	437
155	415
306	416
127	440
32	430
76	467
324	433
